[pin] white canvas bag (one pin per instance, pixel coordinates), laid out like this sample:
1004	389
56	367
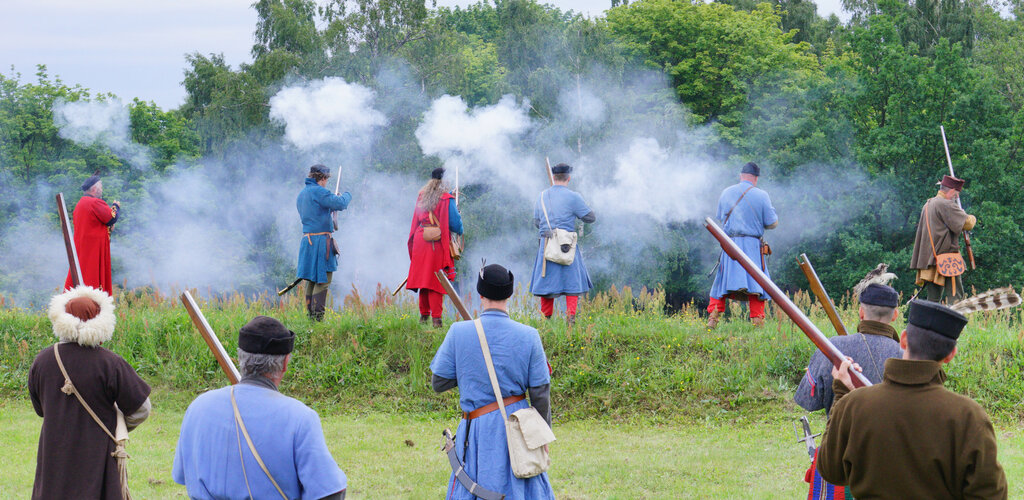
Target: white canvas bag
525	430
560	248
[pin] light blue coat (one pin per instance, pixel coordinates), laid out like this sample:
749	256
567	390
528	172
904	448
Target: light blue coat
564	206
746	225
315	204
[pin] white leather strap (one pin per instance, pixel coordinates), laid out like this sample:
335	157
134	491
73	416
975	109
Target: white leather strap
490	367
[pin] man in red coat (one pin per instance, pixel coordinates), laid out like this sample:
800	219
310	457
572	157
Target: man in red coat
93	219
435	209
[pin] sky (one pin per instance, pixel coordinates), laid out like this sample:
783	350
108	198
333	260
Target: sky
137	48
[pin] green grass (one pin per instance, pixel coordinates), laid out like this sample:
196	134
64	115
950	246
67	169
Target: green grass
645	405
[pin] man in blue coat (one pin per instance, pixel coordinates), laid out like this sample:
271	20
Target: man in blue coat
558	208
520	366
318	253
746	212
230	434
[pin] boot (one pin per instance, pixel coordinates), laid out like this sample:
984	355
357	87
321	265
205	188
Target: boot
713	317
318	306
571	319
437	322
424	318
309	306
757	322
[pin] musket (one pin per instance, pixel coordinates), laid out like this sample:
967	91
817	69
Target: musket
447	285
406	280
821	294
830	351
551	176
210	337
334	215
289	287
967	236
69	242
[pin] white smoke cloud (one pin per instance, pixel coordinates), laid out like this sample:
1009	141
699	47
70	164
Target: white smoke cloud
330	111
105	122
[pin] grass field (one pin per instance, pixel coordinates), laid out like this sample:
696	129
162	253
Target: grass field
735	456
646	405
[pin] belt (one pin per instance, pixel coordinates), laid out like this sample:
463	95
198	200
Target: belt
310	240
483	410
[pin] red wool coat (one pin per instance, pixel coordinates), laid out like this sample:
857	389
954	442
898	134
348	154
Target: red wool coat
428	256
92	241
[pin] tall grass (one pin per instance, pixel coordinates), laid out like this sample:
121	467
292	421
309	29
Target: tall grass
624	358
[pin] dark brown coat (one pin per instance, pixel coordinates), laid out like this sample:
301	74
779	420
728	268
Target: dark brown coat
74	459
948	220
910	437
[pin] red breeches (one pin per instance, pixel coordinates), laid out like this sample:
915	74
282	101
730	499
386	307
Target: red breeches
431	303
755	305
547	305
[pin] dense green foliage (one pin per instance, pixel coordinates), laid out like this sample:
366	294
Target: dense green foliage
807	97
625	358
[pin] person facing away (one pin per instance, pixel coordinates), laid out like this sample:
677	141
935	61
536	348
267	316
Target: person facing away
92	220
875	341
909	437
942	220
75	454
435	211
214	459
746	212
318	252
558	208
520	366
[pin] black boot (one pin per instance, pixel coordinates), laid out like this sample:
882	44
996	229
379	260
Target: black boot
424	318
309	306
437	322
319	306
571	319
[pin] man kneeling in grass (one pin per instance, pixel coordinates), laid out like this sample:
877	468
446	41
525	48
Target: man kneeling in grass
909	437
251	441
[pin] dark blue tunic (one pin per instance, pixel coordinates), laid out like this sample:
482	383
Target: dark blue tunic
315	204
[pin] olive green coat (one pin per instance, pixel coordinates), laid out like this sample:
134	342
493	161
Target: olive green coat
948	220
910	437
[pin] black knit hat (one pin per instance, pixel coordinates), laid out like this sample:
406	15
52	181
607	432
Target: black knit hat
319	169
879	295
936	318
752	169
90	182
495	282
265	335
561	168
437	173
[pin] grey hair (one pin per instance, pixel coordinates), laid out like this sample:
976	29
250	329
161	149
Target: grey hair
251	364
877	313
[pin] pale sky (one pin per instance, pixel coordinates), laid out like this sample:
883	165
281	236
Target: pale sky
136	48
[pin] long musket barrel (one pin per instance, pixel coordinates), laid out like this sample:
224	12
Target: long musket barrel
447	285
337	187
69	241
210	337
967	237
821	294
780	298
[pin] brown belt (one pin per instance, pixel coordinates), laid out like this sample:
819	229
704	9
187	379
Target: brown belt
483	410
310	240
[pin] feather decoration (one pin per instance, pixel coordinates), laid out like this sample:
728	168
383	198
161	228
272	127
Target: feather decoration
880	274
992	300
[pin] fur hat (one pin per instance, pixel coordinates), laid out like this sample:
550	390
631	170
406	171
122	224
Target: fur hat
437	173
90	333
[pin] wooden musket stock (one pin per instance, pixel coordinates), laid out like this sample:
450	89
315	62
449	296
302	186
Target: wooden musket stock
210	337
821	294
447	285
551	176
791	310
69	241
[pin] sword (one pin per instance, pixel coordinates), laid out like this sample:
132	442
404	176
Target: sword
448	447
804	436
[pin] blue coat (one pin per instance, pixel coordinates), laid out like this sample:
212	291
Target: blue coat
286	433
746	225
519	363
315	204
564	206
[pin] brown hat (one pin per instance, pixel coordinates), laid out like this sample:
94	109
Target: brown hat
948	181
83	315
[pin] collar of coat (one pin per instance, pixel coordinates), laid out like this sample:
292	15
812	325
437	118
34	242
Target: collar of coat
259	381
914	372
878	328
